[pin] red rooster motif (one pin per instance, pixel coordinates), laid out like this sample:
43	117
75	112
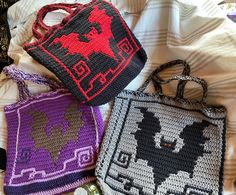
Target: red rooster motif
99	40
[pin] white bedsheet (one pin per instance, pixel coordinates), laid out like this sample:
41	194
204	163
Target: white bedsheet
195	31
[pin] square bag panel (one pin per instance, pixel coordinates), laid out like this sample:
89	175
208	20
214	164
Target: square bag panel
163	145
53	140
93	51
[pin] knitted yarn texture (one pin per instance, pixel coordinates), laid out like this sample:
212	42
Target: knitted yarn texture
162	145
53	144
93	52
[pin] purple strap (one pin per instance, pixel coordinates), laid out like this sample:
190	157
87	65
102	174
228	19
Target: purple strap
19	77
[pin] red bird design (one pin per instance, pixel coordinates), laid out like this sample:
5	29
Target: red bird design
98	41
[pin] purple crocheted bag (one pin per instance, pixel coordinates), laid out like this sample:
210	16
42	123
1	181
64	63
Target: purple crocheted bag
53	140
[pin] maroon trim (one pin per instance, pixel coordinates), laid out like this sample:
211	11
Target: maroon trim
43	12
51	31
67	19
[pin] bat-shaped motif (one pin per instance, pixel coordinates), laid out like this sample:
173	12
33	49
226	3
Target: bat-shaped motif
163	160
97	40
57	138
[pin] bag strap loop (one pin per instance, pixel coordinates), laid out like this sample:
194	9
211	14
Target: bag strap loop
155	73
39	24
43	12
197	80
20	77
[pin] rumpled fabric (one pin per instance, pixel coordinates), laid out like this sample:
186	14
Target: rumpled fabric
195	31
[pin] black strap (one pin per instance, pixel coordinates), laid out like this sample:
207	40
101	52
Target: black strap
155	74
188	78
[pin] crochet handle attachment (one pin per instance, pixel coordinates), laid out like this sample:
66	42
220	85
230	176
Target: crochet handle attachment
155	74
43	12
20	77
186	79
39	24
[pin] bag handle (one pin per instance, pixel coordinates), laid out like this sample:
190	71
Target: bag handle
20	77
155	74
43	12
49	8
186	79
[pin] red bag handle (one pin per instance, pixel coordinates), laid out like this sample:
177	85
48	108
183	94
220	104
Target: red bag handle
49	8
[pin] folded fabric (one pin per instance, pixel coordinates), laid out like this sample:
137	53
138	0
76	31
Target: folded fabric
196	31
92	51
1	182
53	140
157	144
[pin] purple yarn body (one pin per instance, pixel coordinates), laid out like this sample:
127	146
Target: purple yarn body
31	167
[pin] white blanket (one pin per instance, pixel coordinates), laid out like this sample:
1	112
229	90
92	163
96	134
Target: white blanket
195	31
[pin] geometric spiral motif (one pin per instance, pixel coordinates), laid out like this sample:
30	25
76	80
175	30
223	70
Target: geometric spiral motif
190	190
24	155
85	157
123	159
125	46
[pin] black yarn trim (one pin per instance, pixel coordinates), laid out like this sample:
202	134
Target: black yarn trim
194	110
213	108
122	128
221	180
118	140
49	185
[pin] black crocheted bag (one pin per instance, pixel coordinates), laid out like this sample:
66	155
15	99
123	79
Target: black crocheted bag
92	51
156	144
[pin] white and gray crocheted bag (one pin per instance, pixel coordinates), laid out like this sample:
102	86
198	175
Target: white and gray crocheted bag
156	144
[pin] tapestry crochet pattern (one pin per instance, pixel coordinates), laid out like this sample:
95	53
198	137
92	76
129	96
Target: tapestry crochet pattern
159	146
193	139
53	146
94	53
100	32
56	138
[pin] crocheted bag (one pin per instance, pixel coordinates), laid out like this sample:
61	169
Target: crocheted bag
92	51
53	140
162	145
